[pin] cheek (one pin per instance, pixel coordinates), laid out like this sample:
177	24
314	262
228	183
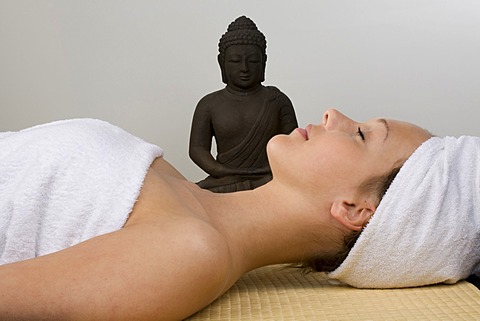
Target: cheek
324	164
231	70
326	167
256	69
230	74
335	164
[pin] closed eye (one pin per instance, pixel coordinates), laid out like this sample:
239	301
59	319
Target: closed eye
360	133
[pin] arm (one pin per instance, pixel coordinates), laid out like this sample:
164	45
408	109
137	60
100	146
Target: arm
201	135
288	119
287	123
141	272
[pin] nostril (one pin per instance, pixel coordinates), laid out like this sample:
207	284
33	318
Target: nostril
325	118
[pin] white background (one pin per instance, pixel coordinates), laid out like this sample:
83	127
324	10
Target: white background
143	65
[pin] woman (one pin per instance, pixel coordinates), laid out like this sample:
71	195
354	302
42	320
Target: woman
182	247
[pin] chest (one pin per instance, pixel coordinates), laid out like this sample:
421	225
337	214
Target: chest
237	118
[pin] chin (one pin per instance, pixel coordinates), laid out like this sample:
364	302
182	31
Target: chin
278	149
274	143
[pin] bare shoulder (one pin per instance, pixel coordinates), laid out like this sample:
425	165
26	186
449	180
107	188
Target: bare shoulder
192	264
154	271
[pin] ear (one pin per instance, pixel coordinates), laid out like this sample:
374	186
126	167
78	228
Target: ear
352	216
221	63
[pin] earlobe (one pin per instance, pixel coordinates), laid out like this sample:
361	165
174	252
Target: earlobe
352	216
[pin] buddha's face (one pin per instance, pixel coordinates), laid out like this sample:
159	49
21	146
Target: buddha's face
244	67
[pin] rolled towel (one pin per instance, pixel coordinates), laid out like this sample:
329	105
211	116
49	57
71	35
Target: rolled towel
426	229
65	182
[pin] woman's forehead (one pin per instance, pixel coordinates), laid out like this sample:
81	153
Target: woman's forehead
403	139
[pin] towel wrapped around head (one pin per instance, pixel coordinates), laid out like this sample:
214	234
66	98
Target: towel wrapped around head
426	229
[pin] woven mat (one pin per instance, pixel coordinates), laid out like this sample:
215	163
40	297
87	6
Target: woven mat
276	293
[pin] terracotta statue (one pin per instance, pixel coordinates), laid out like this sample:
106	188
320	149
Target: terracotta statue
242	117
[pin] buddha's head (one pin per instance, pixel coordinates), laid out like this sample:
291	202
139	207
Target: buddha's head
242	54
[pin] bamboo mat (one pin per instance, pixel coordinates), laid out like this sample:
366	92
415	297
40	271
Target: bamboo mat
276	293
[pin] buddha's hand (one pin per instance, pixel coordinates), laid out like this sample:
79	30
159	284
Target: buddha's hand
258	170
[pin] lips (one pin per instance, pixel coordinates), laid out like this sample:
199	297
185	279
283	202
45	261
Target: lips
303	132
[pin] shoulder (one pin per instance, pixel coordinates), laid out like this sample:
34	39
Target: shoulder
202	247
192	261
170	268
212	97
274	90
276	94
209	104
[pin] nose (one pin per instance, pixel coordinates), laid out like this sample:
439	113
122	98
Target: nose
244	65
333	119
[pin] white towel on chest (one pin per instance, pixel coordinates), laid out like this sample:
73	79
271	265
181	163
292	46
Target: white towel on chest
426	229
65	182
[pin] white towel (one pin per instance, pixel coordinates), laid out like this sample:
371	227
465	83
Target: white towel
426	229
65	182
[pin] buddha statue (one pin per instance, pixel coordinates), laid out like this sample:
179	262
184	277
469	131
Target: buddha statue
242	117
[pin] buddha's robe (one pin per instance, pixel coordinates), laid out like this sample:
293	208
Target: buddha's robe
275	116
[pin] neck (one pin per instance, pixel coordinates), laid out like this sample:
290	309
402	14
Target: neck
264	227
243	91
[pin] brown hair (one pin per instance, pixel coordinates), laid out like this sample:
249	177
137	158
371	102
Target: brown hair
328	263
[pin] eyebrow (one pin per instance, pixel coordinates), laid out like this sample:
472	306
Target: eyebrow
387	127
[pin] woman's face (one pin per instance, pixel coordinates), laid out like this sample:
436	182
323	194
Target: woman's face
340	152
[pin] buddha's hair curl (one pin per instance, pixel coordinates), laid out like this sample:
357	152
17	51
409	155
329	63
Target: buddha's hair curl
242	31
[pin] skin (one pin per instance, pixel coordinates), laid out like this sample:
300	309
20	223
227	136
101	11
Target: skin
182	246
